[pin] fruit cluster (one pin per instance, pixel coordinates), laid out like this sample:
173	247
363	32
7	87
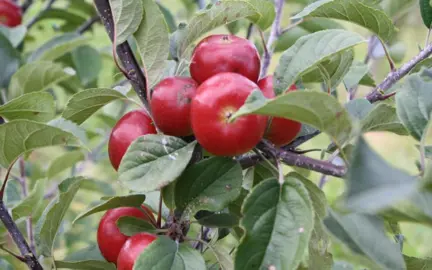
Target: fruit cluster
10	13
224	71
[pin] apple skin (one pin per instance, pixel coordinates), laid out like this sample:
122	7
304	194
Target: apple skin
215	101
109	238
10	13
131	126
281	131
171	102
224	53
133	247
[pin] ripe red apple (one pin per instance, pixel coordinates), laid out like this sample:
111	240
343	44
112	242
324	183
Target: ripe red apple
133	247
214	103
10	13
281	131
170	103
128	128
224	53
109	238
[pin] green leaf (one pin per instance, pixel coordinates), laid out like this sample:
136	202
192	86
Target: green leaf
20	136
266	13
14	34
316	109
37	76
168	195
154	161
134	200
309	51
57	47
223	257
358	74
210	184
216	220
383	117
49	223
127	17
152	39
414	104
37	106
373	184
131	225
169	18
88	63
164	253
369	239
358	12
10	60
359	108
85	103
278	220
64	162
33	201
85	265
426	63
413	263
72	128
426	12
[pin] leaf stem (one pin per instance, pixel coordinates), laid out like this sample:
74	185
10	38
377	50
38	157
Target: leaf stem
87	25
159	217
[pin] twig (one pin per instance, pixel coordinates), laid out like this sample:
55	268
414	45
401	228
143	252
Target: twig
40	13
387	55
159	216
26	5
249	31
87	25
291	26
135	73
6	178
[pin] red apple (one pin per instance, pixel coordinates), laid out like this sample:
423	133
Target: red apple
214	103
131	126
281	131
170	103
109	238
10	13
224	53
133	247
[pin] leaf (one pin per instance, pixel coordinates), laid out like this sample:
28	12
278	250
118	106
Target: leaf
169	18
426	12
216	220
38	106
33	201
85	265
154	161
85	103
383	117
64	162
72	128
358	73
359	108
10	59
168	195
369	239
310	50
414	104
131	225
88	63
164	253
15	35
127	17
210	184
20	136
57	47
266	13
316	109
278	221
413	263
358	12
426	63
223	257
133	200
152	39
49	223
37	76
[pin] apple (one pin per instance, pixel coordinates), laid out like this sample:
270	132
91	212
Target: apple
281	131
214	103
10	13
224	53
170	105
132	248
109	238
131	126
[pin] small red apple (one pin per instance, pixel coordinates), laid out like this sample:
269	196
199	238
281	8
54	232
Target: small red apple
10	13
133	247
128	128
214	103
281	131
170	103
224	53
109	238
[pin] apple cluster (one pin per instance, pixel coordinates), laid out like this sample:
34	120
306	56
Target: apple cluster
10	13
224	71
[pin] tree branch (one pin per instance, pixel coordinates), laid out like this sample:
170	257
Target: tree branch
40	13
135	74
87	25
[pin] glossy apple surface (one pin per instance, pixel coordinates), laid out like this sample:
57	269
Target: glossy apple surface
10	13
133	247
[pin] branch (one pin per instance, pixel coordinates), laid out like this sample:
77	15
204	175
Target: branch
40	13
26	5
87	25
26	252
135	74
